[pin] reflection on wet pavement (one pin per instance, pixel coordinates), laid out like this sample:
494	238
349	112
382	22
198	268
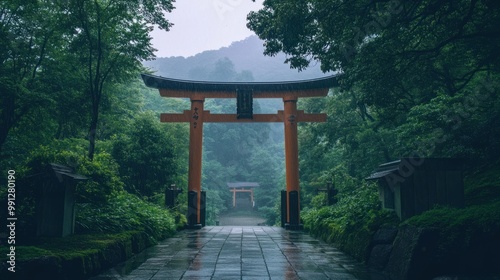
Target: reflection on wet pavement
241	253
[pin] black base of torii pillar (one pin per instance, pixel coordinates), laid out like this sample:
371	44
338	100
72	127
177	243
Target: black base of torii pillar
244	93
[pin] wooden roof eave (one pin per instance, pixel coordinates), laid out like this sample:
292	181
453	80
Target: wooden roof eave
183	88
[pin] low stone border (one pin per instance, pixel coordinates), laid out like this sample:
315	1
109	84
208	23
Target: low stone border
81	267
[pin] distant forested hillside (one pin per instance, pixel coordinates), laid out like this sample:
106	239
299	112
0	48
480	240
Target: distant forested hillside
247	57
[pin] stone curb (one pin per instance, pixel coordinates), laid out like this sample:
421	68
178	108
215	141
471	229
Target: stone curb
55	267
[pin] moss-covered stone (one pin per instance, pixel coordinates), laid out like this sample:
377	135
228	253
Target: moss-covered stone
413	254
74	257
441	241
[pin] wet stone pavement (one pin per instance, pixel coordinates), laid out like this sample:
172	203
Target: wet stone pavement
241	253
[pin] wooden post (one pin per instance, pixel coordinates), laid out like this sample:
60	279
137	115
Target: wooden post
234	197
251	197
195	152
291	151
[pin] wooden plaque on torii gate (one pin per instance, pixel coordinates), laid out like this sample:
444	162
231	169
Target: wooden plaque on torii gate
198	91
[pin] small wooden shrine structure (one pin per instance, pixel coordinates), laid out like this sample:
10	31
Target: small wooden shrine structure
55	200
410	186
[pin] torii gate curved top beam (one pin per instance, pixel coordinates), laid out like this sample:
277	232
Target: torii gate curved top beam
244	92
266	89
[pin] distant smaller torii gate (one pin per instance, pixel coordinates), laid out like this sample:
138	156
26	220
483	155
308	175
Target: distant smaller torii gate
243	92
245	187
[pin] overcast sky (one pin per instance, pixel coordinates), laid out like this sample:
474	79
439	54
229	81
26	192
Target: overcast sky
201	25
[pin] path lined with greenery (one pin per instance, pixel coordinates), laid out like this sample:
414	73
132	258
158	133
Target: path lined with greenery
420	79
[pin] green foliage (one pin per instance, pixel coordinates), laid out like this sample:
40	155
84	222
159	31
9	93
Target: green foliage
35	171
215	205
76	256
459	229
107	207
69	75
222	69
124	212
71	52
462	125
482	185
26	33
147	155
272	214
319	200
81	245
344	149
482	217
352	221
104	180
380	45
102	172
28	252
384	110
109	40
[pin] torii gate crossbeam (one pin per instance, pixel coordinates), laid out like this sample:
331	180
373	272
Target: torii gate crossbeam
198	91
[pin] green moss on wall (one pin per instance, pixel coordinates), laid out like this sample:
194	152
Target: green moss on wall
76	256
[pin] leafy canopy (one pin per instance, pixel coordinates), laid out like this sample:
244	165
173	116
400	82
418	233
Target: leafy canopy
397	53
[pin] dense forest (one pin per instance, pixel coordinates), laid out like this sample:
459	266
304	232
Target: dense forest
418	79
71	94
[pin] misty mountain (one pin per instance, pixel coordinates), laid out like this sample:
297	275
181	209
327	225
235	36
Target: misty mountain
249	62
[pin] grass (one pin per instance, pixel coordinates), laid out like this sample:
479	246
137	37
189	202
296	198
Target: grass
67	248
73	257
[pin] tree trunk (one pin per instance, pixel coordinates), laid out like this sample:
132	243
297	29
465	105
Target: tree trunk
93	131
7	119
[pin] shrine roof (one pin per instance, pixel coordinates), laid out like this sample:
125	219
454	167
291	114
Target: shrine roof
384	170
159	82
239	185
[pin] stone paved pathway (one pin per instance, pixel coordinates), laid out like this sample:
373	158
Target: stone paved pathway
241	218
241	253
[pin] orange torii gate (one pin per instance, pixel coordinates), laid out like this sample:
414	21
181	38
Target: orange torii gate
244	92
242	187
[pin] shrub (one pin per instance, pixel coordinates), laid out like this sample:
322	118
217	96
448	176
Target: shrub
272	214
215	206
125	212
351	222
102	171
147	155
458	226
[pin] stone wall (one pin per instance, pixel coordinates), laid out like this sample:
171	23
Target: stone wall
412	253
81	267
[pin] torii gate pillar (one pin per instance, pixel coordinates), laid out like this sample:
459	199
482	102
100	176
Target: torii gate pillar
195	162
291	162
